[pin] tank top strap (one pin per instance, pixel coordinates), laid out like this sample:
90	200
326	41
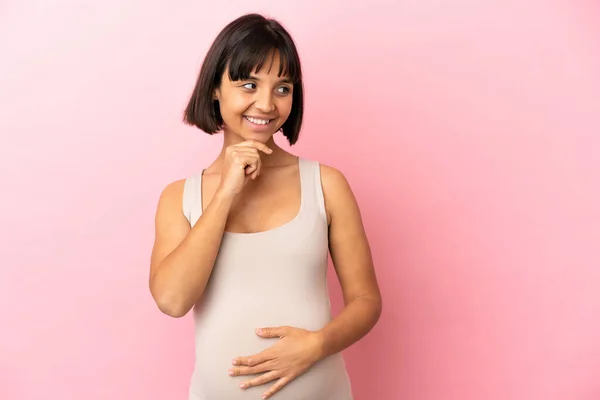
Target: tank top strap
313	199
192	204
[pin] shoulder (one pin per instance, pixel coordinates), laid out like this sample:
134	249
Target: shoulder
171	198
332	178
173	190
336	191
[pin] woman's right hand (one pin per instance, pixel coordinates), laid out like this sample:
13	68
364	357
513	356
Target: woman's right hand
242	163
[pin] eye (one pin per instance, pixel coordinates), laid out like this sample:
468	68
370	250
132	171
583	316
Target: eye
249	85
283	89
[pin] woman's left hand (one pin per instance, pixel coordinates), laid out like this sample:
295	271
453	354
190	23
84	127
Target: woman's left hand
295	352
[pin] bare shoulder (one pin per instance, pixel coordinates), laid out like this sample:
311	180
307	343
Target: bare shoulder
172	193
333	179
336	190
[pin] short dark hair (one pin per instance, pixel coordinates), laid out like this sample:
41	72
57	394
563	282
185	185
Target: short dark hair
242	46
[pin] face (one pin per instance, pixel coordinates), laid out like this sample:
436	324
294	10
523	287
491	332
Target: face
257	107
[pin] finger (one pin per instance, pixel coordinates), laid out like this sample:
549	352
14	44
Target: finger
255	165
257	145
242	151
245	160
245	153
253	170
261	380
245	150
272	332
256	359
276	387
257	369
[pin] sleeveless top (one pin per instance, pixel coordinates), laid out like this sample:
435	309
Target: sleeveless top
265	279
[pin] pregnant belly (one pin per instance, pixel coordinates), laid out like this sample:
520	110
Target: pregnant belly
224	332
325	380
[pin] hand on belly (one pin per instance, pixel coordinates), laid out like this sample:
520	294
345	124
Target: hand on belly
295	352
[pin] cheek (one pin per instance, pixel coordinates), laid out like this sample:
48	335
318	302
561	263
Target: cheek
232	107
285	107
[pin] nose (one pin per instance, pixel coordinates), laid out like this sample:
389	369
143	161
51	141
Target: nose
264	101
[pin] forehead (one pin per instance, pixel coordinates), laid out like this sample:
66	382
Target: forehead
270	69
267	62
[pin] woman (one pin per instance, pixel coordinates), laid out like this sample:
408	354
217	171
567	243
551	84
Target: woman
245	242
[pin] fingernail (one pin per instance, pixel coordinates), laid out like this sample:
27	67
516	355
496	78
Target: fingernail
231	372
258	330
234	362
243	386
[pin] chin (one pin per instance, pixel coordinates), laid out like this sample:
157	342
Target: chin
262	137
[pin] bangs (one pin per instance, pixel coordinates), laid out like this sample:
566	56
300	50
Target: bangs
255	50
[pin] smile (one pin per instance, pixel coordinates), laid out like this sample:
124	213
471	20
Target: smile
258	121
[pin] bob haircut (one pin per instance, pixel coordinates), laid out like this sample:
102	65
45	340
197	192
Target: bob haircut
243	46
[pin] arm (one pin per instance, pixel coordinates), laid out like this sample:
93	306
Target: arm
183	257
351	256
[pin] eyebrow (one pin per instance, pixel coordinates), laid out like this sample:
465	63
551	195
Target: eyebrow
284	80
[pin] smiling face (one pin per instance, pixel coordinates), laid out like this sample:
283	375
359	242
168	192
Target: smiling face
256	107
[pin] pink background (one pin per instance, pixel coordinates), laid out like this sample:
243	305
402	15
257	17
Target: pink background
468	130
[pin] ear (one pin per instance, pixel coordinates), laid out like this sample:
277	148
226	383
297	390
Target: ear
216	94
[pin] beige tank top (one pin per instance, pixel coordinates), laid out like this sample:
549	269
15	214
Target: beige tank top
265	279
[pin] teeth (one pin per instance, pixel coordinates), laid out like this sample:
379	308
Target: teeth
258	121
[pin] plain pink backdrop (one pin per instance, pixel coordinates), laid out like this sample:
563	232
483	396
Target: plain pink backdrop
469	131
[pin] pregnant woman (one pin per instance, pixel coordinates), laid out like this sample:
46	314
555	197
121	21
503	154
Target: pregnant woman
244	242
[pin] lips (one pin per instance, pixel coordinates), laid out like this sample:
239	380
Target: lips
258	121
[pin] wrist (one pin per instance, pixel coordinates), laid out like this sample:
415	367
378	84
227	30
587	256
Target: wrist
223	197
319	345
